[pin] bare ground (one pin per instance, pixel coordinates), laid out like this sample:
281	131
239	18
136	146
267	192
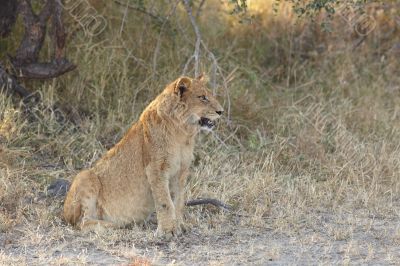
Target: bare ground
336	237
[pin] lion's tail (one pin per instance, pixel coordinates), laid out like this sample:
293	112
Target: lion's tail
72	207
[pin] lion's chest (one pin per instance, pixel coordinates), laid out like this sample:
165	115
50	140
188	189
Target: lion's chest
180	158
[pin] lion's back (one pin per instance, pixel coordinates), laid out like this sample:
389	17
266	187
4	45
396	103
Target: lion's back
125	189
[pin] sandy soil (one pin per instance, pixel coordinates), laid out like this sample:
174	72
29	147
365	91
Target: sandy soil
326	238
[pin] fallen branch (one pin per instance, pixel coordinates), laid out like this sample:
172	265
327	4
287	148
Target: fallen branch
214	202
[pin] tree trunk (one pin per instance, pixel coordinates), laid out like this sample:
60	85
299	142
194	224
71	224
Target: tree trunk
8	16
25	62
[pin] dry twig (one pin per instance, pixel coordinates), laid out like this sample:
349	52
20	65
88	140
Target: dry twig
140	10
199	9
214	202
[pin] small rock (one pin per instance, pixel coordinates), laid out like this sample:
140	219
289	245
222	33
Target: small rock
58	188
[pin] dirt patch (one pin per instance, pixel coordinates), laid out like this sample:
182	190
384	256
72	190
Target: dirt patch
340	238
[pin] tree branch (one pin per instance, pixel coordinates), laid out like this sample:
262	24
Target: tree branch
46	11
199	9
196	57
196	53
59	33
45	70
25	8
141	10
35	31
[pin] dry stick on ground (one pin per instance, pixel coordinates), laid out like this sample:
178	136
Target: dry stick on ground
214	202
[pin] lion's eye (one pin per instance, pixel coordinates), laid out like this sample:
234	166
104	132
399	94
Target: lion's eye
204	98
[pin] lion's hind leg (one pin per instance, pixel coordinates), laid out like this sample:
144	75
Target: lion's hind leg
95	225
81	206
91	220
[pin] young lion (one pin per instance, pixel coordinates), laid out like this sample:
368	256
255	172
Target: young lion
147	169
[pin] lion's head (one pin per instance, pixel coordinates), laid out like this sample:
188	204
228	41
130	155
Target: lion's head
194	104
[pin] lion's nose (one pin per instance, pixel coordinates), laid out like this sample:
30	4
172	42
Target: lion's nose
220	112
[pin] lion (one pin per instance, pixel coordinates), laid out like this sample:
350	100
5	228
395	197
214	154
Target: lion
147	170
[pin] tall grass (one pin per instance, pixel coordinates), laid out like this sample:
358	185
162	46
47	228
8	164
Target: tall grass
313	121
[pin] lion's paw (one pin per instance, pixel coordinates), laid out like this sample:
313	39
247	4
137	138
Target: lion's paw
168	232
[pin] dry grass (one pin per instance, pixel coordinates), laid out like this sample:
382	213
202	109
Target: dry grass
310	158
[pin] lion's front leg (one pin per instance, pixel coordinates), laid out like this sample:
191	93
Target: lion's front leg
179	199
165	209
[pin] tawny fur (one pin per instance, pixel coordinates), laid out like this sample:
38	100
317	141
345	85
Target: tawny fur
147	170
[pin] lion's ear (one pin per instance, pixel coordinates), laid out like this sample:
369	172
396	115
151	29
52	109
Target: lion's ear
182	85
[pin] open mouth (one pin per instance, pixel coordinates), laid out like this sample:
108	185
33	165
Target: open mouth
206	123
